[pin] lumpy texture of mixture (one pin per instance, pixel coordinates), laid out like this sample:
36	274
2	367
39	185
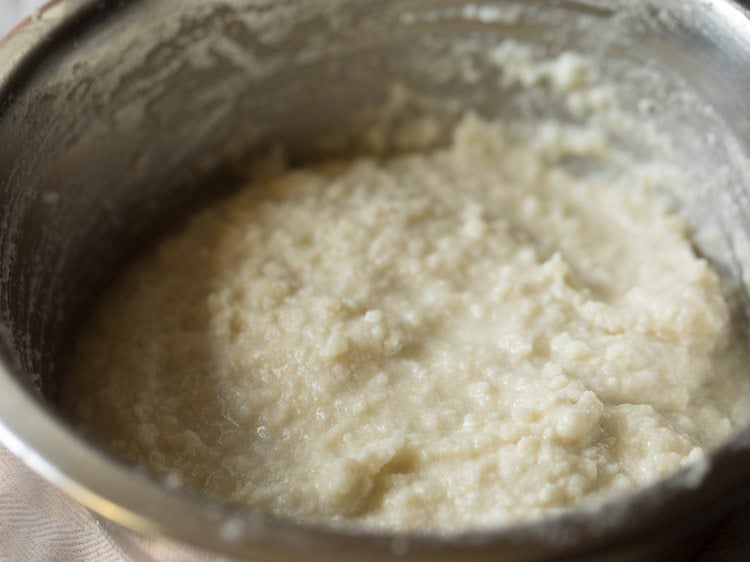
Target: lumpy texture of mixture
445	340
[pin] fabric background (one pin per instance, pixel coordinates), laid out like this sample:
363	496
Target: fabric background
39	523
13	11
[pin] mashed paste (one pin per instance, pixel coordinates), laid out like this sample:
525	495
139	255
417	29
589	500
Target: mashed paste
445	340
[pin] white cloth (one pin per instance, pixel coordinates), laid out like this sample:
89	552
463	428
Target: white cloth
39	523
13	11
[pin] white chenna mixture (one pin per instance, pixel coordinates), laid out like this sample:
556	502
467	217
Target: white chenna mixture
445	340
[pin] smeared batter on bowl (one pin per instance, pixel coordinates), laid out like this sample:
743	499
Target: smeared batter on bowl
446	340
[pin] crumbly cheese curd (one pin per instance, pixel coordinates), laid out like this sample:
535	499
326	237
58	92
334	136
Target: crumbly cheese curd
452	339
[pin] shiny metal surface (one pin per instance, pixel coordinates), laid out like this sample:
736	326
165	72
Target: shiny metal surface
118	116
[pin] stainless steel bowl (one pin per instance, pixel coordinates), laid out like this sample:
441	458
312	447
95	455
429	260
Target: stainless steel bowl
117	116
